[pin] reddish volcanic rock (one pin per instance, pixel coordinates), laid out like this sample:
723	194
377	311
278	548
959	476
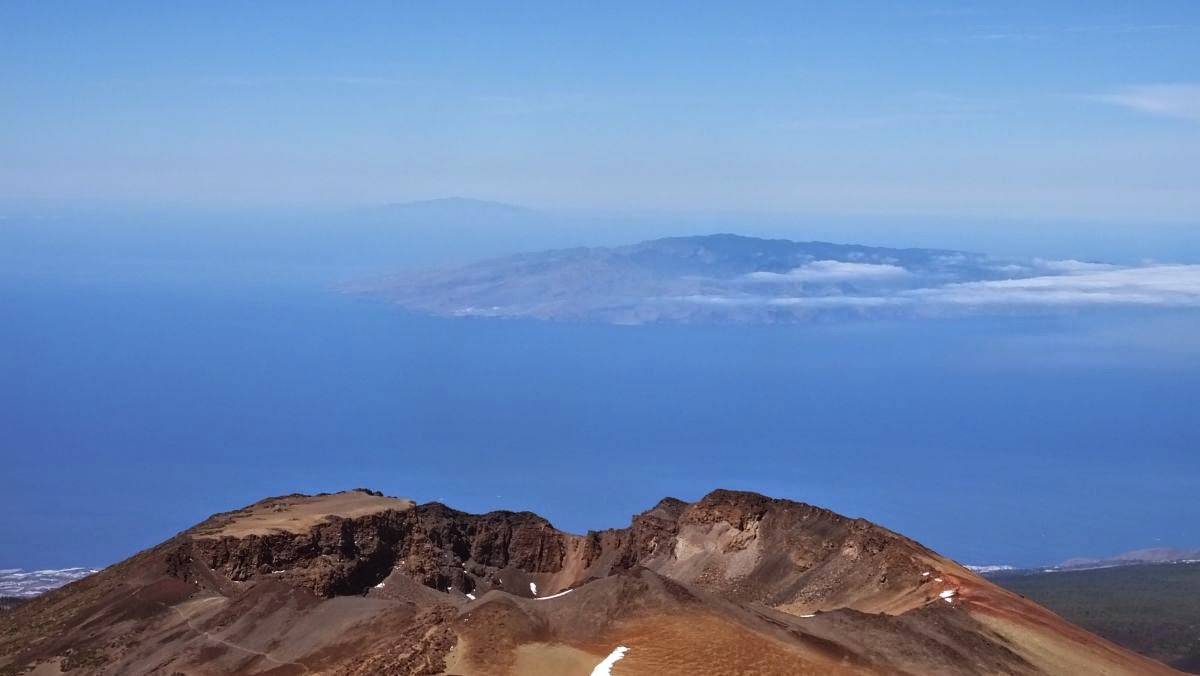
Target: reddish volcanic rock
360	583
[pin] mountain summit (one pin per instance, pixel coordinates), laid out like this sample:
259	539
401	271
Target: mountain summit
361	583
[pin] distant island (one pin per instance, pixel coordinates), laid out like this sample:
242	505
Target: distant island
726	278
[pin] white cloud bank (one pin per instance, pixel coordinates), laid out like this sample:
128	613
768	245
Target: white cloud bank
29	583
832	271
1178	100
1070	265
1076	284
1155	285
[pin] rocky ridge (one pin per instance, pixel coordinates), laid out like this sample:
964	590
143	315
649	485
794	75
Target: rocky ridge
358	583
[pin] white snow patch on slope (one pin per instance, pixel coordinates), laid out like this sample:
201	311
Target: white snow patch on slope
533	588
554	596
605	667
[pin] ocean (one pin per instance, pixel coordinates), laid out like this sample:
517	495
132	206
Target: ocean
136	400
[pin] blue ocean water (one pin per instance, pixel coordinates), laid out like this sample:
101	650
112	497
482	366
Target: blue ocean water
134	405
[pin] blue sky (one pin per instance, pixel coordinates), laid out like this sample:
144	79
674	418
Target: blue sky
216	368
1066	110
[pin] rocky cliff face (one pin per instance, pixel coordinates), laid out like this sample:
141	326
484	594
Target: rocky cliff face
359	583
436	546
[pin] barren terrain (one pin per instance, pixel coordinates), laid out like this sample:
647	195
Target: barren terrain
358	583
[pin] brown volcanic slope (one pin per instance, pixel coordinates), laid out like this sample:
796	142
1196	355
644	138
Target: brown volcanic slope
358	583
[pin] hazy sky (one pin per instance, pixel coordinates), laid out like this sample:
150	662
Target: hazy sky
1081	110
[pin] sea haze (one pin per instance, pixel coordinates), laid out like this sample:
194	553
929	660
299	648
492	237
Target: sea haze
137	403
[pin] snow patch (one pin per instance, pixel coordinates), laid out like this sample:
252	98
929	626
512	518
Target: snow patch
471	596
554	596
948	594
809	615
533	588
379	586
605	667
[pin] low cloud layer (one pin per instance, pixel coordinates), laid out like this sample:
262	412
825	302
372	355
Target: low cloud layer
1077	284
18	583
832	271
1159	285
